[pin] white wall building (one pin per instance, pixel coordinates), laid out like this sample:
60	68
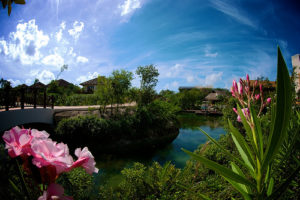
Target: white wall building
296	66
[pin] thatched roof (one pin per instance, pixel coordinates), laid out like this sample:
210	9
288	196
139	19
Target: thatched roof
90	82
214	96
62	83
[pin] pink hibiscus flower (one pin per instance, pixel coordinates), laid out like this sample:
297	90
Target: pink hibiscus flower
17	141
54	191
85	160
46	152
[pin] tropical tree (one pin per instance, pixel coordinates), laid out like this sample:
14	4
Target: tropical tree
120	82
148	75
104	92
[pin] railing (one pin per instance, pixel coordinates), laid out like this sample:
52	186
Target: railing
25	97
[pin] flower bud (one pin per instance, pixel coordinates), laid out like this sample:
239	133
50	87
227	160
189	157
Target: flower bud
257	96
235	110
269	100
260	88
247	78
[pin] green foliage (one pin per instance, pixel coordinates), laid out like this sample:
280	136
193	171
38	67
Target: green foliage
104	92
257	156
148	75
76	100
120	83
156	119
77	183
140	182
192	99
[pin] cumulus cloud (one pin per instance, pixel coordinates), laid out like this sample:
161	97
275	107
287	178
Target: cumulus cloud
129	6
53	60
45	76
174	71
81	59
14	83
213	78
25	44
77	29
90	75
190	79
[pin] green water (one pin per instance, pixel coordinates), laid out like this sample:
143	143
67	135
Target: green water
189	138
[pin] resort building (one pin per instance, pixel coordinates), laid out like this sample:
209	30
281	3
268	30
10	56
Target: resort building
91	85
296	66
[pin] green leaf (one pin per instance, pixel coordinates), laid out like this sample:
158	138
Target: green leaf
242	147
247	128
270	187
258	133
238	188
19	1
227	173
14	187
282	188
237	170
204	197
222	148
283	111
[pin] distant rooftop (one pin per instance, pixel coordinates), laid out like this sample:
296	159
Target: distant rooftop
90	82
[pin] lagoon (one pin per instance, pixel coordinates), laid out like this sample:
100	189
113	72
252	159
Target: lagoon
189	137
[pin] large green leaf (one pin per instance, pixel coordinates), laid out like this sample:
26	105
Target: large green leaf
237	170
238	188
257	129
223	149
225	172
283	111
242	147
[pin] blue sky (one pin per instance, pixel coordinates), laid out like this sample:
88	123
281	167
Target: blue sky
191	42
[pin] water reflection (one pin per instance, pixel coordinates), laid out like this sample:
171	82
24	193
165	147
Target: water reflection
189	138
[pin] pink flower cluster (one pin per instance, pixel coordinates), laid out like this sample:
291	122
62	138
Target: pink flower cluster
50	157
241	90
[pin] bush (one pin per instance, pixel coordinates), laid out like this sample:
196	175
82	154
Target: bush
77	183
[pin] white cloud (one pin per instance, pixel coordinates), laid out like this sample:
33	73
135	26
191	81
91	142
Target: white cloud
90	75
232	11
77	29
208	52
3	47
129	6
213	78
71	53
25	44
58	34
81	59
45	76
190	79
14	83
28	81
174	71
53	60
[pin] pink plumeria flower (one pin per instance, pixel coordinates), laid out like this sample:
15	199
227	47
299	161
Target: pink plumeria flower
17	141
85	160
54	192
46	152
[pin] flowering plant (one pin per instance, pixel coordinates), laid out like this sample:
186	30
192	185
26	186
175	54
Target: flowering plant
251	174
51	158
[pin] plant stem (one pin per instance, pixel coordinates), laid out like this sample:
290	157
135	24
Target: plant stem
23	180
